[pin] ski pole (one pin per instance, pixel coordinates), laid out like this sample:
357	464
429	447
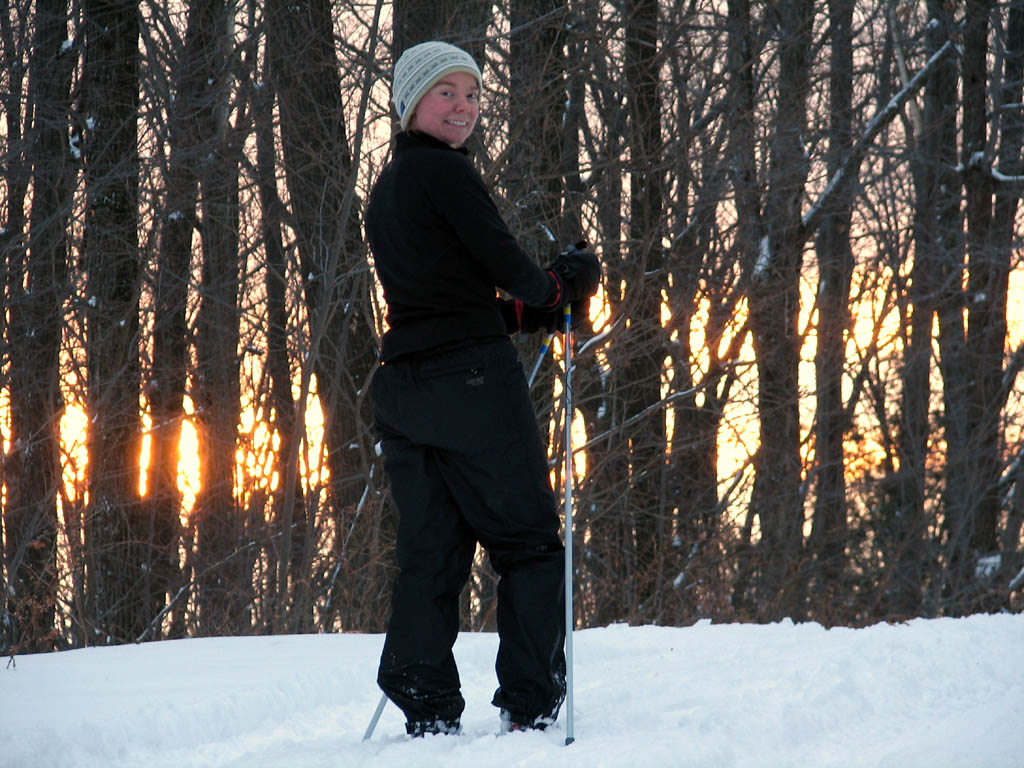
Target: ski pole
376	717
569	737
545	345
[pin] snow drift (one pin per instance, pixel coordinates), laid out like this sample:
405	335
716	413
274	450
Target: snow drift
946	692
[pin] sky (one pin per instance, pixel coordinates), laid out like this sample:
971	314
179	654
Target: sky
940	693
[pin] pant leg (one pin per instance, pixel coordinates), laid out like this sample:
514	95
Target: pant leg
531	624
503	490
434	550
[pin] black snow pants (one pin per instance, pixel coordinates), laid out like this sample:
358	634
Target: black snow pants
464	458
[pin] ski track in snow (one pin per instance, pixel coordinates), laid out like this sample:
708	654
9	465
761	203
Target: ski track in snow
936	693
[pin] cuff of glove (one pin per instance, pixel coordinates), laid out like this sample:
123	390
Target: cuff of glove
559	290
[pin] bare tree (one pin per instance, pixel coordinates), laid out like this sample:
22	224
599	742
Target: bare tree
279	325
224	578
703	269
835	267
122	597
905	560
645	277
319	175
990	208
191	136
1009	117
536	108
32	470
416	21
772	236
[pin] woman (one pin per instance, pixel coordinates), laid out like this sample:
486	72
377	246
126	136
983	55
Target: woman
461	446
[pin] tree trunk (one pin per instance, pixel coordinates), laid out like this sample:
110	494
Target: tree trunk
461	22
990	212
601	528
193	130
222	573
119	535
275	273
774	310
537	102
32	472
741	158
835	268
639	382
939	247
935	284
12	264
1011	165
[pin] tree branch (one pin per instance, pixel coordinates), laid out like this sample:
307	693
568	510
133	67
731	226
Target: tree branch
848	170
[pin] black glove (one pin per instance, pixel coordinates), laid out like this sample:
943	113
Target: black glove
520	317
577	272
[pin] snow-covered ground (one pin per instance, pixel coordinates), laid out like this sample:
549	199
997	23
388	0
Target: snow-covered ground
940	694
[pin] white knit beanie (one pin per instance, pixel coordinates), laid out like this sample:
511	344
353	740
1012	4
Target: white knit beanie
420	67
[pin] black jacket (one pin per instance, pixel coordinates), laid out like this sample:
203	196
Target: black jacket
440	248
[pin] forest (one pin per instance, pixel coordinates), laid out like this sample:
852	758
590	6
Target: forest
797	396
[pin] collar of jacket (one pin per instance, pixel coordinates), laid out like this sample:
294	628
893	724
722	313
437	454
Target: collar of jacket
411	139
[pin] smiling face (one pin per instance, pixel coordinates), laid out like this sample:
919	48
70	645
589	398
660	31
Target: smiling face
449	110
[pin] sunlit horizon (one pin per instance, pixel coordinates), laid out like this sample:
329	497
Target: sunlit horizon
258	443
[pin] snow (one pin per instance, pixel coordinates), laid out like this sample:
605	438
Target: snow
943	692
764	257
1006	179
988	565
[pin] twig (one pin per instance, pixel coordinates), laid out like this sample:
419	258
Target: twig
658	405
186	587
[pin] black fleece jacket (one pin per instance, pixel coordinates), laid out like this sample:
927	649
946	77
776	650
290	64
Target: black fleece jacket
441	248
